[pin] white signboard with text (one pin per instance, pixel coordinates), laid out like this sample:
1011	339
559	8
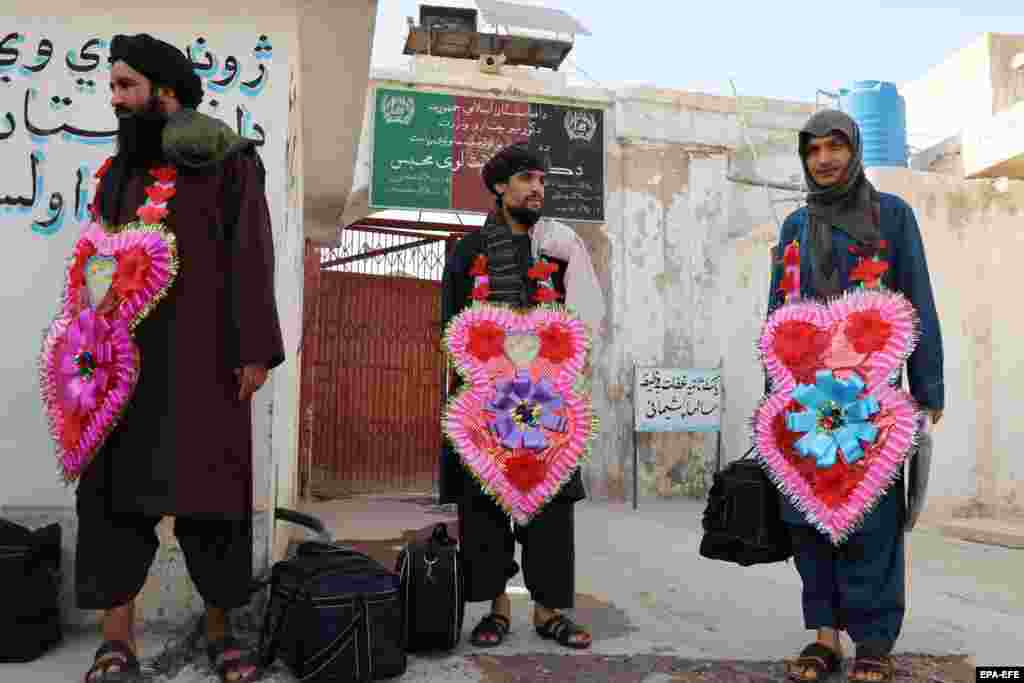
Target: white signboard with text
677	400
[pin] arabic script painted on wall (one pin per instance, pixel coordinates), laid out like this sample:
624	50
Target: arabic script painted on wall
57	126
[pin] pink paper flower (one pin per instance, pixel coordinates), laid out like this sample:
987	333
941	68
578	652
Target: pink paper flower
86	362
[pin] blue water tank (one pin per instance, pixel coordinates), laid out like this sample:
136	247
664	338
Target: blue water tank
881	113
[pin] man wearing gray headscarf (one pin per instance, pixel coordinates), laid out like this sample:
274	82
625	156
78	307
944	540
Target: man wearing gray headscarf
859	586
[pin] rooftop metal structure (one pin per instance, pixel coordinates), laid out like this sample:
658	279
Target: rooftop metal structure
452	32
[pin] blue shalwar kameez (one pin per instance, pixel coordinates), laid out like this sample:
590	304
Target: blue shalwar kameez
859	586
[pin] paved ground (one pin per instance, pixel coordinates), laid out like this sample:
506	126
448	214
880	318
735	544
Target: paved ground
661	613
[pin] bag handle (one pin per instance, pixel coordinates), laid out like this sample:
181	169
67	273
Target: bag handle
440	534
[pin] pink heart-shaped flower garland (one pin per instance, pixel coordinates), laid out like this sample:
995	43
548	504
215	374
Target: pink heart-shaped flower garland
862	337
523	431
89	362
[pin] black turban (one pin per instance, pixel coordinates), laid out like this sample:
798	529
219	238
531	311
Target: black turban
509	161
161	63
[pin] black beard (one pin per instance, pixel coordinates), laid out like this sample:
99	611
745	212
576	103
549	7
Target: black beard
523	215
140	135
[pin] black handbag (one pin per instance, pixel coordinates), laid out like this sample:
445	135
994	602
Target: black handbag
433	603
743	519
30	619
335	615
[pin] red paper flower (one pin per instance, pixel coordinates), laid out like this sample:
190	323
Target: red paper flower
869	250
867	331
71	431
151	214
158	194
486	340
869	272
546	295
800	346
541	270
479	265
132	268
165	174
102	170
86	250
555	343
481	292
791	256
790	282
524	471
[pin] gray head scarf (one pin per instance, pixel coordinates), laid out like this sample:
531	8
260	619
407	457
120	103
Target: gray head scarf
848	206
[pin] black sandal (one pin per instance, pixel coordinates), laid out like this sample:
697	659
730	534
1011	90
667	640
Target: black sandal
822	660
227	657
114	653
497	625
561	629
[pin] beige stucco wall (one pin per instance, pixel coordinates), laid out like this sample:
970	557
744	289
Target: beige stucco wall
952	94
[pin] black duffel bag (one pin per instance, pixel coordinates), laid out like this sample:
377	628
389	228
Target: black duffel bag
743	519
432	599
29	591
334	614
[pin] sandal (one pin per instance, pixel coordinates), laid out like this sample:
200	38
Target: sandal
228	659
496	625
865	666
114	654
816	662
561	629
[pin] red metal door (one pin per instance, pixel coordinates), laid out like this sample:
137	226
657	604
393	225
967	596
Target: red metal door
375	384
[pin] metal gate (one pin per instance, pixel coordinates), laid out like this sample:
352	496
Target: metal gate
372	364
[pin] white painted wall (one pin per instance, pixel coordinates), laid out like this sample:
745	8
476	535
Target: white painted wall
33	264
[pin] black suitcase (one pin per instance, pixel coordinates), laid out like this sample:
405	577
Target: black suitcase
335	615
743	519
432	599
29	591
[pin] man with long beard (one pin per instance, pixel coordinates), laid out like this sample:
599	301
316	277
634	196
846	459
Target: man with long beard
510	240
859	586
184	445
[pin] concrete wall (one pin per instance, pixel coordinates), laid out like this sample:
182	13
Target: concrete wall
966	89
336	38
672	216
951	95
1007	82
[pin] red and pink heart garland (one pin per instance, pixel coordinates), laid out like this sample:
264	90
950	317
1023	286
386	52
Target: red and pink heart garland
519	426
89	364
839	357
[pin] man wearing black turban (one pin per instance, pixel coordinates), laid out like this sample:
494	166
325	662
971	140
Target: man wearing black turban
487	537
183	447
859	586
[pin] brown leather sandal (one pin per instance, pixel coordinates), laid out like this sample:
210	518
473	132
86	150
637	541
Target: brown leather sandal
819	659
865	666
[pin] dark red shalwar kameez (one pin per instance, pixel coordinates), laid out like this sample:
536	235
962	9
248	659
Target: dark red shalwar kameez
184	446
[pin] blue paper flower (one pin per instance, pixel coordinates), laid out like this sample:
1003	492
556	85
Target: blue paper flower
835	418
523	407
